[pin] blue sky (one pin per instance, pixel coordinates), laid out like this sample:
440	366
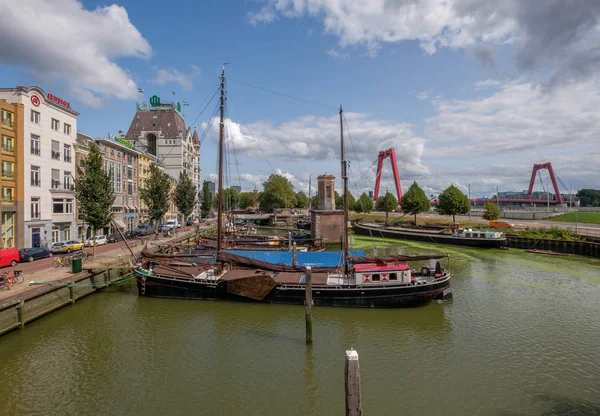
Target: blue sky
466	92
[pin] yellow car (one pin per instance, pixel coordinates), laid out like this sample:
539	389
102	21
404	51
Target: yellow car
66	246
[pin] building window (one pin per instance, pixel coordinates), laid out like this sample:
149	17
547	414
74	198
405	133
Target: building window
67	233
55	150
67	128
35	208
55	124
7	119
151	139
8	196
67	180
130	187
55	179
55	234
393	276
8	171
35	176
129	159
67	153
328	191
112	152
118	155
8	229
8	145
35	117
376	277
35	145
129	173
58	206
68	206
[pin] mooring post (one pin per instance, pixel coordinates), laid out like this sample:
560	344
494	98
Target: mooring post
308	305
71	292
352	378
21	312
290	240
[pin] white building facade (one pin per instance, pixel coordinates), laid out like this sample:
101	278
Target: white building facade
50	132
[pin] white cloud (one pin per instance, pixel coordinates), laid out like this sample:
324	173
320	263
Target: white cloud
559	35
166	76
62	40
487	83
423	95
337	54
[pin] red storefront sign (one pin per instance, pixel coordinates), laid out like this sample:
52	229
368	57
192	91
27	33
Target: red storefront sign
59	100
35	100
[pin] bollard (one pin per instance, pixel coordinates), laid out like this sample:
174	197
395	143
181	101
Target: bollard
289	240
308	302
352	378
294	255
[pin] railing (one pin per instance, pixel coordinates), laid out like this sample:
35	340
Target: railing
8	149
35	150
67	158
69	186
55	184
35	182
55	155
35	216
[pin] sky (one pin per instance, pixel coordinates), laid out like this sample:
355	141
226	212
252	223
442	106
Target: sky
465	91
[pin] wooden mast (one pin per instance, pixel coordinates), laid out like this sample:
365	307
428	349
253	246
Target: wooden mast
345	179
220	191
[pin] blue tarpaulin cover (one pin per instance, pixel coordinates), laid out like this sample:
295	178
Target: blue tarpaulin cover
305	258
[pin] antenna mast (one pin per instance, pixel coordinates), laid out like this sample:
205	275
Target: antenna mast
345	179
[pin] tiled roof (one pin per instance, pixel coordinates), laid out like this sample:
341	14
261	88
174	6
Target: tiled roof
168	121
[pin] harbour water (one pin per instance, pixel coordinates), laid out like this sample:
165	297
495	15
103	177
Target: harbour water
521	337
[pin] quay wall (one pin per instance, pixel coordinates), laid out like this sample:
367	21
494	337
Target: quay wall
584	248
27	307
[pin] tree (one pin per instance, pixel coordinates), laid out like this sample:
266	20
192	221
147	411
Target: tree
206	199
302	201
155	193
314	202
363	204
414	201
587	197
492	211
185	195
278	192
452	201
339	201
387	204
231	199
248	199
94	191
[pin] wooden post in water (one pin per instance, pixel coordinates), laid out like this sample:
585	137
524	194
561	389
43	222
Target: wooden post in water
294	255
289	240
352	378
308	305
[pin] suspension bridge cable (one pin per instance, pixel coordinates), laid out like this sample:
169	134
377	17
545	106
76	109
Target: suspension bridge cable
284	95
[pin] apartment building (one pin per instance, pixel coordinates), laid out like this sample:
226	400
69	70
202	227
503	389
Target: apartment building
11	181
49	130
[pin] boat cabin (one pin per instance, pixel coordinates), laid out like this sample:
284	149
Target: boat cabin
382	273
469	233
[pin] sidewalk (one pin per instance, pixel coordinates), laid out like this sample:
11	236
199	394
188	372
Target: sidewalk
110	255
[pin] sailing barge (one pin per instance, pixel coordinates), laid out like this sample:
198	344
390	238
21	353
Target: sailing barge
367	282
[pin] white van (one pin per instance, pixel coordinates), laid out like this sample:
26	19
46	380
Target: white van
173	224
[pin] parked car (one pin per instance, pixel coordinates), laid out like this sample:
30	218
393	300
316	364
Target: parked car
66	246
189	223
34	253
100	240
164	227
113	238
144	229
9	257
501	224
173	224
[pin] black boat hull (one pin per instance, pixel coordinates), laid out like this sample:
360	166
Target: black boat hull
427	237
354	297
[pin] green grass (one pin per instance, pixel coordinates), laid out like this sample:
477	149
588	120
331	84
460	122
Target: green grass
551	233
583	217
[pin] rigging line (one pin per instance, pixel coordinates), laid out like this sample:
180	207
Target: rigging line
209	124
284	95
237	166
251	135
209	101
353	146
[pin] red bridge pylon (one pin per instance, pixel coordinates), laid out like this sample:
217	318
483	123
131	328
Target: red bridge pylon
391	153
548	166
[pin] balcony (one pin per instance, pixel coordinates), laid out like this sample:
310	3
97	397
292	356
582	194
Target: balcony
8	150
8	175
55	155
55	184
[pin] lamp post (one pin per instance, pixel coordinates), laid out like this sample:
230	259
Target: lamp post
470	206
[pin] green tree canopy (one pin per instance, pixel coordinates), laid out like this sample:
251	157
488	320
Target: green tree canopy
248	199
185	195
452	201
206	199
301	200
94	191
278	192
386	203
155	193
588	196
414	201
339	201
314	202
364	204
231	199
492	211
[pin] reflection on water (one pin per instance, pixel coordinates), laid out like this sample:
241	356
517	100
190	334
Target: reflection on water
520	338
